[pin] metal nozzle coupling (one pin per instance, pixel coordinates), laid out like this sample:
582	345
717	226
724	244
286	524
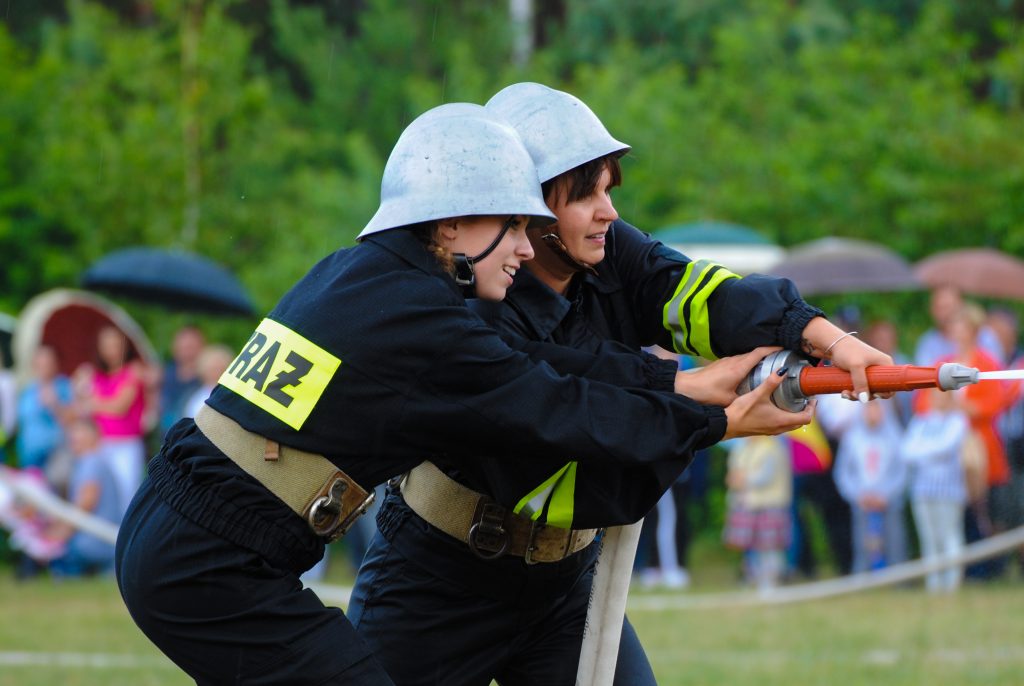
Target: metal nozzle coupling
788	395
953	376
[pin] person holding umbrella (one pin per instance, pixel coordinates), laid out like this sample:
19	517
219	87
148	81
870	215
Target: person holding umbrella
370	363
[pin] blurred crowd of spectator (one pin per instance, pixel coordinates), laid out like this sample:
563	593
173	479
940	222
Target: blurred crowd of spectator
83	438
942	469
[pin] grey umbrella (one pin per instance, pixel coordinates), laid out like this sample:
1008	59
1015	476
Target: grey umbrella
845	265
976	271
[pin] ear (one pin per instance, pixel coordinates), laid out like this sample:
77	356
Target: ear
448	229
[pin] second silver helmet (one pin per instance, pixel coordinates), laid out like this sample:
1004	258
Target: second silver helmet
559	130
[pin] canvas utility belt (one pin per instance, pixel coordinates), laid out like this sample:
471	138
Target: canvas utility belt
489	529
328	499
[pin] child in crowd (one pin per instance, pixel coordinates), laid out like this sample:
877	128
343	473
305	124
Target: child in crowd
932	447
29	527
212	362
43	404
760	490
871	477
93	488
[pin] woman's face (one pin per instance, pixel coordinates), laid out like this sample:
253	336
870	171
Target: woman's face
963	332
472	235
44	363
112	347
583	224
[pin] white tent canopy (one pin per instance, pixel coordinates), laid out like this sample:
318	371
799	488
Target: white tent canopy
739	248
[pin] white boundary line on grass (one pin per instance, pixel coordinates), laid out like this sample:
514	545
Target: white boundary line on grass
881	656
25	658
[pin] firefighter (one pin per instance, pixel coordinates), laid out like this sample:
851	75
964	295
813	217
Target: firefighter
369	363
481	613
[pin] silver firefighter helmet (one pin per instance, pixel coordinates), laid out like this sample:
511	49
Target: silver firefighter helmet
559	130
457	160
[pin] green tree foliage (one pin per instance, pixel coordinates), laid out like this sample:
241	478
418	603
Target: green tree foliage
855	129
895	122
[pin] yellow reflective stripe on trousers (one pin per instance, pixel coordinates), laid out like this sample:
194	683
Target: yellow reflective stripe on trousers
558	493
686	313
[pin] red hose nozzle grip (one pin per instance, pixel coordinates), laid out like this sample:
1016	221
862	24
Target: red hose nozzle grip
803	381
881	379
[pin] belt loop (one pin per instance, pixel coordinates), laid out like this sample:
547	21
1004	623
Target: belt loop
272	451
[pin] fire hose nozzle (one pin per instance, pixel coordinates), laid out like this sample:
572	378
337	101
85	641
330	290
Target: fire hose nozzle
953	376
803	381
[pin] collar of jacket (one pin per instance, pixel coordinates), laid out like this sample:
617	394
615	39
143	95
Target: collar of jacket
405	245
544	309
541	307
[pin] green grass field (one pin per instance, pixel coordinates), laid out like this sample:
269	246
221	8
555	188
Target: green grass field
882	638
78	633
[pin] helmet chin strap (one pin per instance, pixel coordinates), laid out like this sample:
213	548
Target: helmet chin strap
465	275
555	244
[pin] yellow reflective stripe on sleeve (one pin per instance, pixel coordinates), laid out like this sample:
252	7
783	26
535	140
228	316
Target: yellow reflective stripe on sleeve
281	372
686	313
557	493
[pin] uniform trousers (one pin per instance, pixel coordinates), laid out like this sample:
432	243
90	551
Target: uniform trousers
434	613
223	613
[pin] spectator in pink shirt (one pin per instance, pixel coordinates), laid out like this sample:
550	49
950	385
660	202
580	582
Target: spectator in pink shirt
113	393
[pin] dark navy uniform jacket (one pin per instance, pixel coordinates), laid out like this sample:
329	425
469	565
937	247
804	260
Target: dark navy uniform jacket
374	360
643	293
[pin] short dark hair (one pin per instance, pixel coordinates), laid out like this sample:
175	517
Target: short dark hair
579	182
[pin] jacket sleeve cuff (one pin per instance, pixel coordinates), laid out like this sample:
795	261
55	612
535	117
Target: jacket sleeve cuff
717	424
660	374
791	328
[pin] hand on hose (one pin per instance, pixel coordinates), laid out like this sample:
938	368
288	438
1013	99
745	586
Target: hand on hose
754	413
715	383
854	355
824	339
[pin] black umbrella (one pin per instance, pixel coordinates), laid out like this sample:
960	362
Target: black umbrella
172	278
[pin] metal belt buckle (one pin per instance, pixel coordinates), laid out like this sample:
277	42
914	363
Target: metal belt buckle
488	538
535	528
327	515
395	482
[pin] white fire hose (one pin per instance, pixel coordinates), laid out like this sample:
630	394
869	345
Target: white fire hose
607	609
